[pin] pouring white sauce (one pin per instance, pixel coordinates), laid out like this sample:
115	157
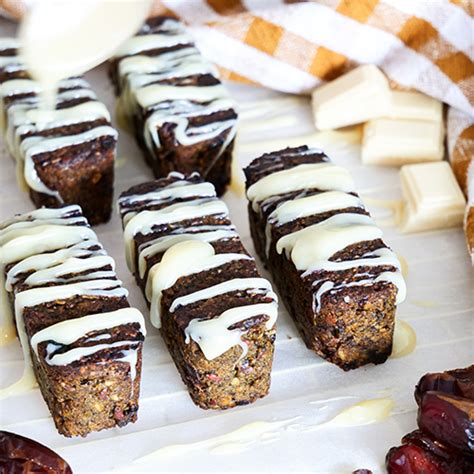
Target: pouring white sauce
66	38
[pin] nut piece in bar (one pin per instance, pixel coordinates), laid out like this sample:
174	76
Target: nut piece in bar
20	455
432	197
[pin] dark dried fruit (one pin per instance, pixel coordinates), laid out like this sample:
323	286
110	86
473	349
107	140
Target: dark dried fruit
444	443
421	454
20	455
214	378
459	382
449	419
410	459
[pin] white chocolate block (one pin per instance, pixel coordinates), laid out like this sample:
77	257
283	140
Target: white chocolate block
415	106
358	96
432	197
394	142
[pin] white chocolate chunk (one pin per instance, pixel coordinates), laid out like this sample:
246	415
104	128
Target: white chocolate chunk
415	106
432	197
358	96
397	142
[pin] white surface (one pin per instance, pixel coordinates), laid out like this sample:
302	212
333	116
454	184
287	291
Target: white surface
439	306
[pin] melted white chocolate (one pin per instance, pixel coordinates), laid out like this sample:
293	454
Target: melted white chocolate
144	221
48	260
164	243
364	413
32	146
236	284
404	339
323	176
182	259
22	118
69	331
214	336
141	43
307	206
244	435
322	240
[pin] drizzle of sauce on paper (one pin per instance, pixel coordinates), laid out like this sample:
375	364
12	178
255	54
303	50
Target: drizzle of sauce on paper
364	413
230	443
404	339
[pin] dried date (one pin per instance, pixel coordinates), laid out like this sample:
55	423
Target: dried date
20	455
449	419
459	382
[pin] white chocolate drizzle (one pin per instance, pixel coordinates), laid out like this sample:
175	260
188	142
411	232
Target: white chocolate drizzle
322	240
47	260
67	332
71	330
145	221
22	122
36	145
214	336
181	190
184	258
50	247
295	209
312	248
141	78
236	284
186	252
161	244
323	176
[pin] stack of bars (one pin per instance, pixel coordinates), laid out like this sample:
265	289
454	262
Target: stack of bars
63	156
173	100
338	279
79	335
216	314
